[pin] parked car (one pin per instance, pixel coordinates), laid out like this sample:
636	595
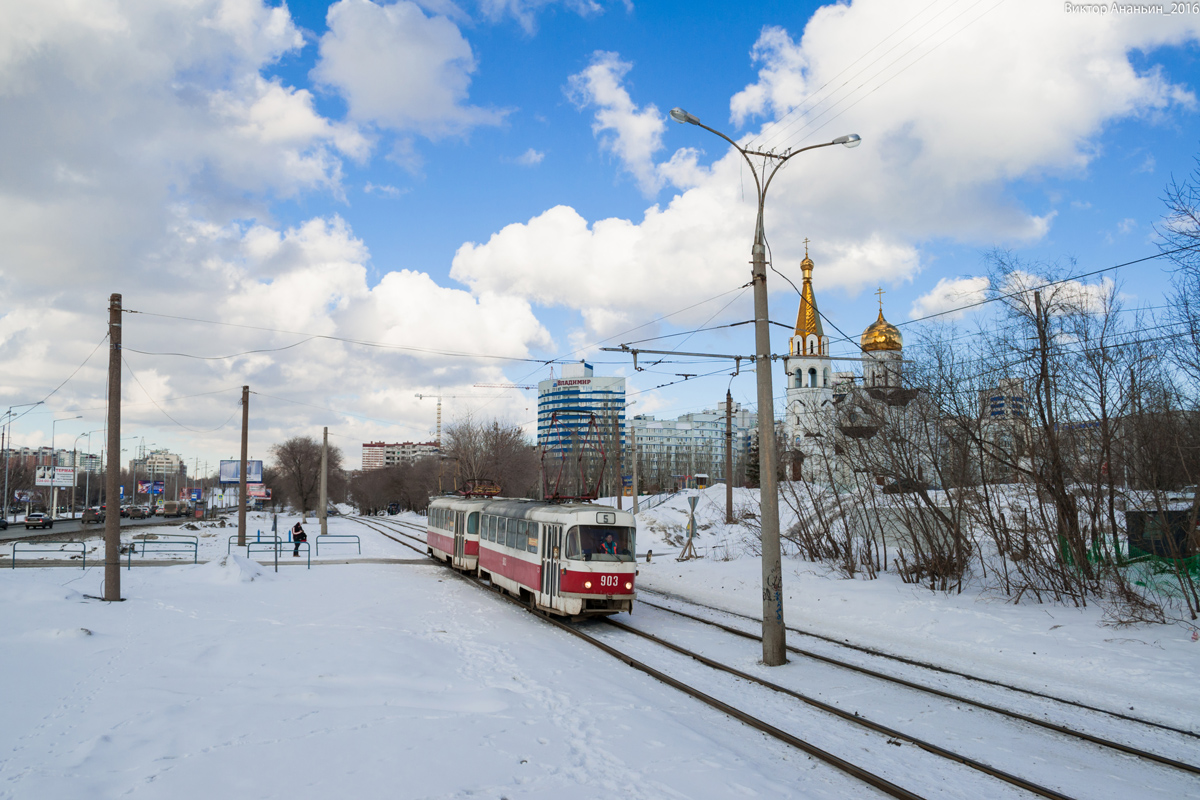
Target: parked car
38	519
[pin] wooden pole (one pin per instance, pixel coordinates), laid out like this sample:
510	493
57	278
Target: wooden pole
324	481
112	516
242	499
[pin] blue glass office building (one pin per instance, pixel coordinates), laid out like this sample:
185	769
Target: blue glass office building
576	395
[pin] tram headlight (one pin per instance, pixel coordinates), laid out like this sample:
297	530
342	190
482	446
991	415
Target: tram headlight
628	584
587	584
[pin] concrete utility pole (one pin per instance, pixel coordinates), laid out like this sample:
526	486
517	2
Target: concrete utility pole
728	457
324	481
774	641
242	471
112	516
634	455
620	472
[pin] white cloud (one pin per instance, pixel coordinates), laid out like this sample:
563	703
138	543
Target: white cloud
386	190
950	293
1126	225
530	158
525	11
400	69
143	145
949	115
630	133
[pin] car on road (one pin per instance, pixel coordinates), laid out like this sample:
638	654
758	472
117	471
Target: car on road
38	519
93	514
3	523
137	512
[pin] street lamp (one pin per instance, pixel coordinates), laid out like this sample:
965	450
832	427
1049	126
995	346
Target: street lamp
54	459
7	445
773	635
87	483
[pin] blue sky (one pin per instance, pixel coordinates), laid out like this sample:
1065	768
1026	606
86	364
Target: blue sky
499	177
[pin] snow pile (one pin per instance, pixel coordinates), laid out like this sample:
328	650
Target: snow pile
230	568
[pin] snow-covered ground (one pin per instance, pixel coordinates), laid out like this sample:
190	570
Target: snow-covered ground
398	680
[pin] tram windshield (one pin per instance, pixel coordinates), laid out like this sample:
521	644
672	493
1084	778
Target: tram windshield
599	543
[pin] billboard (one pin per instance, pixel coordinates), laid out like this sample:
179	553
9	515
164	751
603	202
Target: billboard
54	476
143	487
157	487
257	491
231	471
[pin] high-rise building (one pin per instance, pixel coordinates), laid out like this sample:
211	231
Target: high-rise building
568	404
670	450
377	455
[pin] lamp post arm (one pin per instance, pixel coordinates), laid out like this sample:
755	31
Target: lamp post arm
753	170
787	158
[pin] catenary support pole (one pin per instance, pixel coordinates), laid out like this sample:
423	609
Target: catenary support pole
324	481
634	457
728	457
242	499
617	447
112	512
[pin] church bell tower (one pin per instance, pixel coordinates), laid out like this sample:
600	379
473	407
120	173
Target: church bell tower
809	380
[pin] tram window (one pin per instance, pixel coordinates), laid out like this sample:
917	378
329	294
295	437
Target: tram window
587	543
473	524
514	533
487	527
532	539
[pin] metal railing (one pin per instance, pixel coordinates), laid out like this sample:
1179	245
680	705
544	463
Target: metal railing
276	545
348	537
32	547
258	539
164	543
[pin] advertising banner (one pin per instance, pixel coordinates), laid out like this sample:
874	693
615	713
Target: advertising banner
143	487
231	471
21	497
257	491
54	476
158	487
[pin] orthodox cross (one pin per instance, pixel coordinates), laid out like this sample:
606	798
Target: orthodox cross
880	295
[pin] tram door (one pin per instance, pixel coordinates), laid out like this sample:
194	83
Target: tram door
459	537
551	555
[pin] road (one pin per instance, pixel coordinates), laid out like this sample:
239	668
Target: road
73	527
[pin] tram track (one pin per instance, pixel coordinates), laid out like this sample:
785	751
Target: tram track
902	660
893	736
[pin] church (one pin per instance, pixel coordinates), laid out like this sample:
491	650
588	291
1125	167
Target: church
830	410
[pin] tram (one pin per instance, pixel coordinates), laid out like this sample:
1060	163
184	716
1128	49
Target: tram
572	560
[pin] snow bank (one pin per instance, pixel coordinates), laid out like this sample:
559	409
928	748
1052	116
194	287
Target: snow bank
230	568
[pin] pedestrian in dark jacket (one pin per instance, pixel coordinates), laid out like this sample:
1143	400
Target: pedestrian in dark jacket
298	536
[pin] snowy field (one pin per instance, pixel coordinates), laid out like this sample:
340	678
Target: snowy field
397	680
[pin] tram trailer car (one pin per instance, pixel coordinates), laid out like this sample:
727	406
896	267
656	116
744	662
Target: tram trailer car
573	560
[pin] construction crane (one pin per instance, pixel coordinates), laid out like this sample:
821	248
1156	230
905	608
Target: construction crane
438	439
439	397
505	386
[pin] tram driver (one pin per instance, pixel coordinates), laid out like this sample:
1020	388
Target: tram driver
592	542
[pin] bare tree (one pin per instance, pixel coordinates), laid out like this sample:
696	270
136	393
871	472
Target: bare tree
298	462
492	451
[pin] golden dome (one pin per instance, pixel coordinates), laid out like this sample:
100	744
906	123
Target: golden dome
882	335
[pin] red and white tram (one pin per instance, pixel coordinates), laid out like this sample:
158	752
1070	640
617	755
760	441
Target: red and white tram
571	559
453	531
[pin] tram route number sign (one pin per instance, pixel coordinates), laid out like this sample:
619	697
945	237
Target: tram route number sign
606	518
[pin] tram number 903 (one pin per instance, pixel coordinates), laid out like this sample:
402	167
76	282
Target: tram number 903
609	581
